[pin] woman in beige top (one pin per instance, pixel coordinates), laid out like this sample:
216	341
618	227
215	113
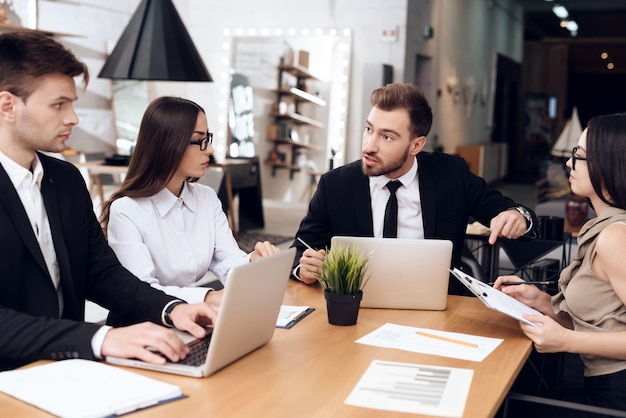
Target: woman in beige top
588	315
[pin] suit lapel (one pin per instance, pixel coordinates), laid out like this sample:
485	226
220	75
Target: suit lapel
17	215
50	200
361	195
427	196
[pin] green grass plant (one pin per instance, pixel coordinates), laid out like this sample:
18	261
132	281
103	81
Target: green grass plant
344	269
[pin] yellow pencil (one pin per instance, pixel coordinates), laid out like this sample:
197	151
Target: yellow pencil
450	340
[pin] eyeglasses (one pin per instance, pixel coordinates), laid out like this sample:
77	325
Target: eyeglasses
204	142
576	157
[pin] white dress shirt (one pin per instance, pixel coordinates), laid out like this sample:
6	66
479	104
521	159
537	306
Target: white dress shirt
172	242
410	222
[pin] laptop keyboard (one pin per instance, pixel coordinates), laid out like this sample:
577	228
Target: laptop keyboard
198	351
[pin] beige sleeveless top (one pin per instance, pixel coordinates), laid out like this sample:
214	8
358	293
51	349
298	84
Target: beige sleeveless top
590	299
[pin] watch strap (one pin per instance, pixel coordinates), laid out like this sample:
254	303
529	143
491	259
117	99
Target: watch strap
167	320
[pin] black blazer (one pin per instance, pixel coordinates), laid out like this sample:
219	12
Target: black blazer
30	328
450	194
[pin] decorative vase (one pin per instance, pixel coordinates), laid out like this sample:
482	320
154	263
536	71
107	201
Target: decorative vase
576	209
343	309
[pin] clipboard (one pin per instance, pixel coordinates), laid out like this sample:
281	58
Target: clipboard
495	299
297	314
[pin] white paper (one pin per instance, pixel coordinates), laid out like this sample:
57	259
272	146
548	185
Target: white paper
413	388
406	338
495	299
83	388
289	313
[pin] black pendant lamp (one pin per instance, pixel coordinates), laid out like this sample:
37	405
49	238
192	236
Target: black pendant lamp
155	46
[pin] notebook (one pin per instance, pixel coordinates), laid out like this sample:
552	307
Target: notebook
495	299
404	273
246	320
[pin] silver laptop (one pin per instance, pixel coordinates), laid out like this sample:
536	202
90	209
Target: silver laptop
246	320
404	273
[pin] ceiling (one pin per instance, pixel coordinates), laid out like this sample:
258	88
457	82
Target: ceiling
601	28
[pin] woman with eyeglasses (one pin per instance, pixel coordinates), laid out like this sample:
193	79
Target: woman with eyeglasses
588	314
164	227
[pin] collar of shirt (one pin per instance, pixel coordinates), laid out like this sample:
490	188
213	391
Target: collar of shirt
381	181
166	200
410	223
19	175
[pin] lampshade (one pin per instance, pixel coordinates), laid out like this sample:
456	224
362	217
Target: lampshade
155	46
569	137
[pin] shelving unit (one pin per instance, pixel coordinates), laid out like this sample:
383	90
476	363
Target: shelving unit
290	95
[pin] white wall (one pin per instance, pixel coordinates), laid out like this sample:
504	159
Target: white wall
96	131
466	35
470	33
366	20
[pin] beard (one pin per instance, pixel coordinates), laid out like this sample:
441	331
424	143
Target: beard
384	168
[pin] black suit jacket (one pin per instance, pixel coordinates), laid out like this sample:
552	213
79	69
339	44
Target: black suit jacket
30	327
450	194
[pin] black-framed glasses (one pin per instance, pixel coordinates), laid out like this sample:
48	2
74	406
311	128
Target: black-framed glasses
204	142
576	157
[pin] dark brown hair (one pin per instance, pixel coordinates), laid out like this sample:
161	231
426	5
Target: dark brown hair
27	56
409	97
164	134
606	149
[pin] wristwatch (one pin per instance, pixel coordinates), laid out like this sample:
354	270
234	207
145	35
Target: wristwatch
166	315
525	214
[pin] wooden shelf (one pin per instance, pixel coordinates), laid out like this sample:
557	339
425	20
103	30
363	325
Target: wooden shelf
302	95
278	165
299	119
293	143
297	71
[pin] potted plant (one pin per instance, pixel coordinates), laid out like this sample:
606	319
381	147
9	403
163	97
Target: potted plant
343	276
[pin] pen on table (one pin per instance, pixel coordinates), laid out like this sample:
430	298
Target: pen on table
448	339
305	244
544	282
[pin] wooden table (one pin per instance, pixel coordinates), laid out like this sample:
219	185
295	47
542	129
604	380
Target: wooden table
311	369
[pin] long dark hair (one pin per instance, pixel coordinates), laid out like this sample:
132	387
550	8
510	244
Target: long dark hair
606	151
164	134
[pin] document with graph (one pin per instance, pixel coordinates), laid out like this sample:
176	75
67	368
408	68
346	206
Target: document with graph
495	299
413	388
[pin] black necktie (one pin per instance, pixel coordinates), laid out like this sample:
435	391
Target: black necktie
390	228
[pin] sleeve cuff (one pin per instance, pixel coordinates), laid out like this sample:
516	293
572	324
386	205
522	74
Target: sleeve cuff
294	273
97	340
167	309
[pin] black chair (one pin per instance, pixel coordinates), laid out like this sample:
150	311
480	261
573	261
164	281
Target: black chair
596	411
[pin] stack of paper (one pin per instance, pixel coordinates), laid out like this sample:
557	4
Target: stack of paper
83	388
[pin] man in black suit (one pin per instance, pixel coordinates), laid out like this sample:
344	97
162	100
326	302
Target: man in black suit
53	254
437	195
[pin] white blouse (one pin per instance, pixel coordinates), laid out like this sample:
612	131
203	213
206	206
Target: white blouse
172	242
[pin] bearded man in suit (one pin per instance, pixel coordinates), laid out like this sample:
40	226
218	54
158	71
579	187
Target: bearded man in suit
436	196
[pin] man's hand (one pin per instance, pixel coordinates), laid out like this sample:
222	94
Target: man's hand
193	318
310	264
133	342
509	224
263	249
